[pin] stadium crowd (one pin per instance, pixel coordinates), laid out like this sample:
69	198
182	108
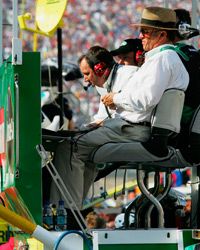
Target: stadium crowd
87	23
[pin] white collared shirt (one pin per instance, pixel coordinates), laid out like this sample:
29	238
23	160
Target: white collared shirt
123	75
162	70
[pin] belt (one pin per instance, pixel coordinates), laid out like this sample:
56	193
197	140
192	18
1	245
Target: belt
147	124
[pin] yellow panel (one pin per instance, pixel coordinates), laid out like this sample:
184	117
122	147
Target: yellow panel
3	231
49	14
35	244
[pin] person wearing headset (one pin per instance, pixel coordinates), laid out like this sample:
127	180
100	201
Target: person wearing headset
183	24
133	105
130	52
190	57
101	71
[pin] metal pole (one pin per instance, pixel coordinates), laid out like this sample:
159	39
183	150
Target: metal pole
14	24
194	13
194	21
16	42
195	218
166	3
60	79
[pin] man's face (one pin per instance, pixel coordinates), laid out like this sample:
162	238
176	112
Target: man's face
126	58
89	75
151	38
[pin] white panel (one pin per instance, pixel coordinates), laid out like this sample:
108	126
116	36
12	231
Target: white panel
154	236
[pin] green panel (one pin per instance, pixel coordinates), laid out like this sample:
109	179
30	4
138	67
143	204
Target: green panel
187	238
20	106
29	181
139	247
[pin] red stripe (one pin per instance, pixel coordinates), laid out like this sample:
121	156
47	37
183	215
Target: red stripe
1	115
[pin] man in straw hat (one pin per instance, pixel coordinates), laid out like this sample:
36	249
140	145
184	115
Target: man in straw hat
157	32
133	106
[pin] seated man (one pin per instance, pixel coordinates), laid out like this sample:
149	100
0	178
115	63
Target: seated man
130	52
133	106
100	70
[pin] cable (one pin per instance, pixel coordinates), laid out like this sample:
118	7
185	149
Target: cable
87	241
115	192
124	182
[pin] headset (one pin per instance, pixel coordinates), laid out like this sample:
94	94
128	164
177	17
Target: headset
139	54
185	30
101	69
100	60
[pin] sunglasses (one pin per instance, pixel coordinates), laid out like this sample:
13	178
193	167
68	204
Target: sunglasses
148	31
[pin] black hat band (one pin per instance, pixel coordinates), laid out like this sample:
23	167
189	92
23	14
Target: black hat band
158	23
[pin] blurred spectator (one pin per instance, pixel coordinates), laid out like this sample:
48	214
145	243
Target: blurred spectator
87	23
93	221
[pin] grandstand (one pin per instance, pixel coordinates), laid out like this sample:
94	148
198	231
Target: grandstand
87	23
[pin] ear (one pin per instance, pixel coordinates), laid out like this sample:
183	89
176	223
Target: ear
163	33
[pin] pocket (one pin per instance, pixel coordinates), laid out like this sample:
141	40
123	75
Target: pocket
116	124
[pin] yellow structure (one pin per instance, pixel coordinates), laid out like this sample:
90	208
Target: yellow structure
48	17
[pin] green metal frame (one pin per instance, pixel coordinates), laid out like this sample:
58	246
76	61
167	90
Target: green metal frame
20	95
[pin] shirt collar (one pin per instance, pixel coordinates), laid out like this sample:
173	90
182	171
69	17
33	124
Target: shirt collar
156	50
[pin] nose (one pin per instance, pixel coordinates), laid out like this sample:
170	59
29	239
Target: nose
141	35
121	61
85	78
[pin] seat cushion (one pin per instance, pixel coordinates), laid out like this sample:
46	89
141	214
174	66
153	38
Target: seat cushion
135	153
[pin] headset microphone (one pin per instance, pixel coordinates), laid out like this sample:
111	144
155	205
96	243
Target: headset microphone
87	87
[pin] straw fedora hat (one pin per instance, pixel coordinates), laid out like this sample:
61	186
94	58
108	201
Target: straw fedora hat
157	18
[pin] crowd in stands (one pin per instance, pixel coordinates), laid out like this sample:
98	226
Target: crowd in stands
87	23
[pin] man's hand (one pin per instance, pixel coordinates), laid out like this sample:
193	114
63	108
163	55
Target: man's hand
108	100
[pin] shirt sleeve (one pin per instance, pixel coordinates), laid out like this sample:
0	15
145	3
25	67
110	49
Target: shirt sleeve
101	114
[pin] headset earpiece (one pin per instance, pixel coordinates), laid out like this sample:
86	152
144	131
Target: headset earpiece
100	68
138	56
106	73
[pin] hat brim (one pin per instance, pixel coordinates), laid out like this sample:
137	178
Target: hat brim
120	51
136	25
